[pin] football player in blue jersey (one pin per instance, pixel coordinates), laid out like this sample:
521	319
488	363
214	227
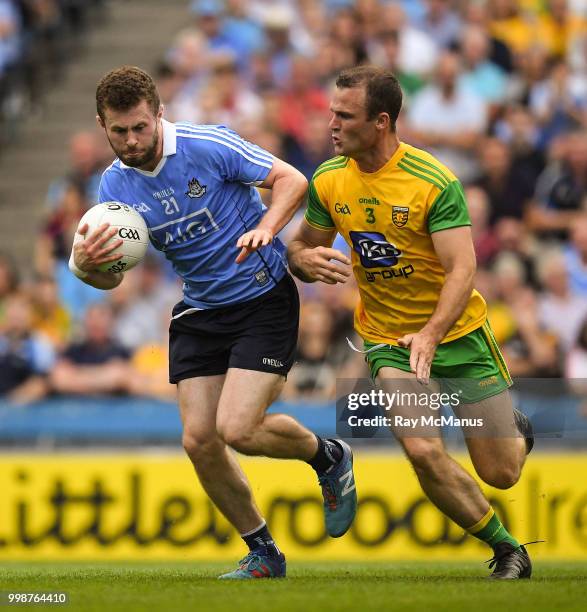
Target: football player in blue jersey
233	336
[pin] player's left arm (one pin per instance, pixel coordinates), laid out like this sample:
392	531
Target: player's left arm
288	187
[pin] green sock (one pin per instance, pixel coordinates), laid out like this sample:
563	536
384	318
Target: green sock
490	530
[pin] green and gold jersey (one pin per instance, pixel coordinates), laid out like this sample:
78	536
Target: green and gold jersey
387	218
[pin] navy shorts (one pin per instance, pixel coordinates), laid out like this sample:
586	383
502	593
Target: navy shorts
260	334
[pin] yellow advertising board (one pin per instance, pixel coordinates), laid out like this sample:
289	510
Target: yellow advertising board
150	506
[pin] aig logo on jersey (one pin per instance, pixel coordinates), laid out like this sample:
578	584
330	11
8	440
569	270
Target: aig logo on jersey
195	190
399	215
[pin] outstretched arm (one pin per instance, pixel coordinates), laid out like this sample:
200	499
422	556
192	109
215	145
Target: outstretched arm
288	187
312	258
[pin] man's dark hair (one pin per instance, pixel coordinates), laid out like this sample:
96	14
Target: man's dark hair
383	93
123	88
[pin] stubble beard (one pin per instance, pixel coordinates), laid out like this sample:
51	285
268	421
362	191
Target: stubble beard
146	158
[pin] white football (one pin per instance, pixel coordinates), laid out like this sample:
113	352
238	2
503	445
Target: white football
132	229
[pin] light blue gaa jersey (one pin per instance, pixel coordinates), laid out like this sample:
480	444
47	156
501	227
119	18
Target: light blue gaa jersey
197	202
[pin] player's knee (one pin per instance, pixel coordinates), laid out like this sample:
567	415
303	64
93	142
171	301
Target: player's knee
426	455
501	476
235	435
200	445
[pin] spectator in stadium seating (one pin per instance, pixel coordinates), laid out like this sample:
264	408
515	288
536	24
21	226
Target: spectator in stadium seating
560	311
314	16
8	282
567	197
25	356
260	73
150	364
477	14
209	19
417	51
51	318
484	239
224	97
53	248
447	119
531	68
513	238
576	256
87	163
188	58
10	35
440	22
528	349
576	364
244	33
506	279
54	243
277	21
331	56
368	12
576	368
301	98
384	51
519	130
95	365
308	26
481	75
531	352
313	376
508	186
312	146
513	26
137	320
577	54
559	102
554	158
348	29
169	82
561	27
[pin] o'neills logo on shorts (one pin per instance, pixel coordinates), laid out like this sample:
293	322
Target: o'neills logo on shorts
272	362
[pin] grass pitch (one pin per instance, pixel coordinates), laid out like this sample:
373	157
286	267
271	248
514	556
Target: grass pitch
130	587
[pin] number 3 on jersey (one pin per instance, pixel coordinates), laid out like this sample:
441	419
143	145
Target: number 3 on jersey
370	216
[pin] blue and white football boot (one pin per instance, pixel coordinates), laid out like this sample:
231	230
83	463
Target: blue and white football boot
339	493
259	563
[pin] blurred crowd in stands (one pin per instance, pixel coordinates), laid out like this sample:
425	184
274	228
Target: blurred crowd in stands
496	89
37	39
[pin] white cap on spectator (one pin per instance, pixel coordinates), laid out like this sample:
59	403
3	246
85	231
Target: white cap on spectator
278	17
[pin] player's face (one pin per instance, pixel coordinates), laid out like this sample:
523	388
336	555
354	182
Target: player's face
134	135
352	133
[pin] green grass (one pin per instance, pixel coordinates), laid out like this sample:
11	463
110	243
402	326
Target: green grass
328	587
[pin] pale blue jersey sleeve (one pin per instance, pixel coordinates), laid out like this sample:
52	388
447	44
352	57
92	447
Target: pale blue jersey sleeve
104	190
235	159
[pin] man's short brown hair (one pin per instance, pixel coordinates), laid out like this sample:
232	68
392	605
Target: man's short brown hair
383	93
124	88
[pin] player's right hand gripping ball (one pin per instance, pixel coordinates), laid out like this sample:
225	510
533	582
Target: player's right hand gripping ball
132	229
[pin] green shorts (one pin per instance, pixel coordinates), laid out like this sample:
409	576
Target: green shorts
472	365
